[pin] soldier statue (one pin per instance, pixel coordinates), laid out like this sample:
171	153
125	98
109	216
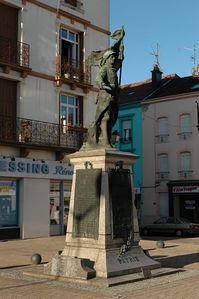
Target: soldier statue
109	62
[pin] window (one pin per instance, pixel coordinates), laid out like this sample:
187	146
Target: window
59	205
164	204
185	164
163	166
8	203
126	131
69	111
69	44
70	54
185	126
163	129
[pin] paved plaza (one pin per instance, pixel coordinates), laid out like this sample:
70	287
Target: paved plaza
15	258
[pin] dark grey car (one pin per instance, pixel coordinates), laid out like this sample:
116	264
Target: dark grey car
170	225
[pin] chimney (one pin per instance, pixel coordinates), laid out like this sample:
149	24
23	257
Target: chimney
156	76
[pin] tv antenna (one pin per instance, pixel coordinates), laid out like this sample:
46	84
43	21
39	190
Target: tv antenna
156	54
194	55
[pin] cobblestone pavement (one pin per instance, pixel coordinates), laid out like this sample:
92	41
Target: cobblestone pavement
178	253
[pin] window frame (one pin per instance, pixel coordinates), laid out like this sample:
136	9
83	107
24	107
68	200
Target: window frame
75	55
163	172
185	171
162	136
130	129
64	119
184	134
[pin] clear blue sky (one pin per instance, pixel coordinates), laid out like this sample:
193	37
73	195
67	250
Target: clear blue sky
173	24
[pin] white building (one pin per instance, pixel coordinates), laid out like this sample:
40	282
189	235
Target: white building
47	98
170	150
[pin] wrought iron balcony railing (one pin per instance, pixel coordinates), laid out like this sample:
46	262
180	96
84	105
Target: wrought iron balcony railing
14	52
74	3
162	175
73	70
126	139
162	138
185	173
37	133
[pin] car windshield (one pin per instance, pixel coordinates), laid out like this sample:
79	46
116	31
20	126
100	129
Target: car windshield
184	220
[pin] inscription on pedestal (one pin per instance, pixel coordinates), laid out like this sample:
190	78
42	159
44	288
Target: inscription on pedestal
86	205
121	202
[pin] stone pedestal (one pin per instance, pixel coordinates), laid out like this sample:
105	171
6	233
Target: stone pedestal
102	224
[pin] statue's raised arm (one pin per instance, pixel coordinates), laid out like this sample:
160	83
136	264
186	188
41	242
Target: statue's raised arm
109	62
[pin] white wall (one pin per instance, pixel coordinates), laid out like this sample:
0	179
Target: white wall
34	208
172	109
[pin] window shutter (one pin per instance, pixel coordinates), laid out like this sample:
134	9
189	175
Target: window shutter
81	118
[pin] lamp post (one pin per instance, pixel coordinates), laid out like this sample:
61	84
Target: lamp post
115	137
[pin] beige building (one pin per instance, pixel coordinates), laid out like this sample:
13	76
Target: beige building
170	150
47	100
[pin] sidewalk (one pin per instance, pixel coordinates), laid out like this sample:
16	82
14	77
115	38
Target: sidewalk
15	257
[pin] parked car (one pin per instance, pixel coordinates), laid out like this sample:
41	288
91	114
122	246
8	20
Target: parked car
170	225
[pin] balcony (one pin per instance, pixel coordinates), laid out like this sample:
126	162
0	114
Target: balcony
184	135
162	175
14	55
73	72
185	173
162	138
74	3
32	133
126	140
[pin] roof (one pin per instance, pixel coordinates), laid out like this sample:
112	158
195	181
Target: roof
170	85
178	86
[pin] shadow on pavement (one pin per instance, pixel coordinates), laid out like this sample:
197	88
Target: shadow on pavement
178	261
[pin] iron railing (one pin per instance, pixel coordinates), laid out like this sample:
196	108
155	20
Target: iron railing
74	3
37	133
14	52
73	70
185	173
162	138
162	175
126	140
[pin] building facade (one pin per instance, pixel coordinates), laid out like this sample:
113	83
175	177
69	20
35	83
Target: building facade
170	151
129	128
47	100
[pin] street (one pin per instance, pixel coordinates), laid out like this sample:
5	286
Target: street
178	253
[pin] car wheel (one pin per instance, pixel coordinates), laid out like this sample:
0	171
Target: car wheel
145	231
178	233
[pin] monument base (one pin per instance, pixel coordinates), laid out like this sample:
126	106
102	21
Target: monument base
108	264
102	237
67	266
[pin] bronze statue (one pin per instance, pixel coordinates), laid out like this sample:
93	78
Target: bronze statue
109	62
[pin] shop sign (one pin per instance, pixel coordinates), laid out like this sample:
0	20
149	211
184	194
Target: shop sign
186	189
40	169
190	204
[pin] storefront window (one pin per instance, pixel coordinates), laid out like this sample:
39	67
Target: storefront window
8	203
59	202
67	191
55	202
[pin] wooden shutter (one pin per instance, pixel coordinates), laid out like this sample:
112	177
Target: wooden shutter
81	120
8	94
8	22
81	54
8	33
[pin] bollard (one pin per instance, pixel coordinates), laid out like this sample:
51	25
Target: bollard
36	258
160	244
